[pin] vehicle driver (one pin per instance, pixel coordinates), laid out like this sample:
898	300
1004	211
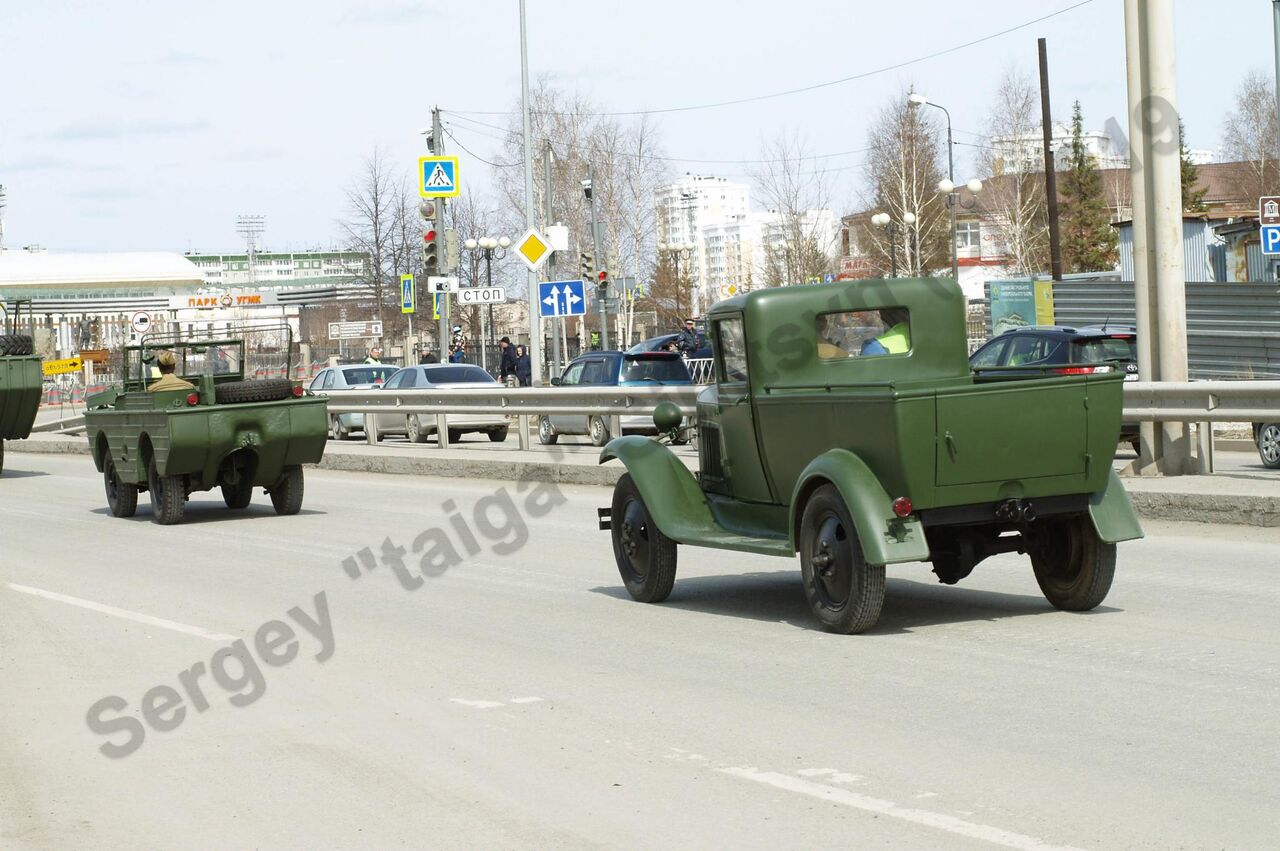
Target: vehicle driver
896	339
827	347
167	364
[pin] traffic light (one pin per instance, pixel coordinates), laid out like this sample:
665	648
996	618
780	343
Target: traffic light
430	251
586	266
602	281
452	256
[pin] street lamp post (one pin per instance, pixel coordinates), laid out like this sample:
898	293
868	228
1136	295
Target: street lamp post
676	250
883	220
917	99
951	193
488	245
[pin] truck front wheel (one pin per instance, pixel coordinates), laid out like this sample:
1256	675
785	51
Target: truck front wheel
844	591
1073	566
646	557
122	498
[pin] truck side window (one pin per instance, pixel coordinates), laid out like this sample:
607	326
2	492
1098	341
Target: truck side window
731	350
863	333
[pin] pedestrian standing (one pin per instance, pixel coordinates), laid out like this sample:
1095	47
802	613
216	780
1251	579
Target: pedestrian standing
524	367
507	363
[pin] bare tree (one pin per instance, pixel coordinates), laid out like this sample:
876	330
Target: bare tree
370	227
1014	192
903	169
1249	137
799	238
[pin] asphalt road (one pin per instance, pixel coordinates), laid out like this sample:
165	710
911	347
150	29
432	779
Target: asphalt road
518	699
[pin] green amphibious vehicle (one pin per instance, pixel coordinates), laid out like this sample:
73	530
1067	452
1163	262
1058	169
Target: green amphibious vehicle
218	431
21	383
845	425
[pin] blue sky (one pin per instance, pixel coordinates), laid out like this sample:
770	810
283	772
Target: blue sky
144	126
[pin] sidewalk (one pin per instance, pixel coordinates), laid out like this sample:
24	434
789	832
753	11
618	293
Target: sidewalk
1243	493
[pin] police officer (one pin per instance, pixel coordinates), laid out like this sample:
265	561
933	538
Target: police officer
375	355
167	363
896	340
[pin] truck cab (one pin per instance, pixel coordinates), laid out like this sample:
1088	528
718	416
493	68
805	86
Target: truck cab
845	425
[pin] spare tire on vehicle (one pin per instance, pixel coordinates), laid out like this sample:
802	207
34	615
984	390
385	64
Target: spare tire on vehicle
267	390
15	344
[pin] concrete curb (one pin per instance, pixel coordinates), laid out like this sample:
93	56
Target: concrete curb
1238	509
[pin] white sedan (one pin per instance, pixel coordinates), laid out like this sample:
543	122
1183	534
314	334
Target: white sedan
441	376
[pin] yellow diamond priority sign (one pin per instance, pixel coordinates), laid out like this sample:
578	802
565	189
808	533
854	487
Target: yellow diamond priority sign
533	248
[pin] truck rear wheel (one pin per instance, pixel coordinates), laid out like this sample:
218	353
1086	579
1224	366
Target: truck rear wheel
286	497
1073	566
168	496
239	495
122	498
646	558
844	591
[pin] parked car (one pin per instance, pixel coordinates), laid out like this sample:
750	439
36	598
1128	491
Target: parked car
1266	436
1037	350
613	369
362	376
441	376
660	343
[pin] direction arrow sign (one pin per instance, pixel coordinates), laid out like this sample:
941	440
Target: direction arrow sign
561	298
438	177
482	295
408	294
62	367
533	248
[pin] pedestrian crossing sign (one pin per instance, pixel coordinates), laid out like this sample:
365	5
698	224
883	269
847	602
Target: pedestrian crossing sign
438	177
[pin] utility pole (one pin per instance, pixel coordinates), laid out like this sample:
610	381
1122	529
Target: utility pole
535	333
551	261
1050	167
597	256
437	148
1275	30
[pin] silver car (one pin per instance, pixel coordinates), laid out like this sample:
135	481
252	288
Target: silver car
355	376
441	376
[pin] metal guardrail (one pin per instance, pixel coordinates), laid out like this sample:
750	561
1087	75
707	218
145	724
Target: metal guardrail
1202	401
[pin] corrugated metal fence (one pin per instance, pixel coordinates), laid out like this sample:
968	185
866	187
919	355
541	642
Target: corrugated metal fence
1233	330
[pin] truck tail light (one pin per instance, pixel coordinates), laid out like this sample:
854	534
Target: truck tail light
902	506
297	391
193	399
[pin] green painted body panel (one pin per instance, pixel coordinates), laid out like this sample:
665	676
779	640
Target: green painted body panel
195	440
913	425
21	383
1112	513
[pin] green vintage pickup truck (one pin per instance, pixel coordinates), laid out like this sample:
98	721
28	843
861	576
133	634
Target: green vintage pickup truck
845	425
21	382
222	432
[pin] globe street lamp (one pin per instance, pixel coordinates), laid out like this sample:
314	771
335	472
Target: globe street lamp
676	250
917	99
488	245
951	194
883	220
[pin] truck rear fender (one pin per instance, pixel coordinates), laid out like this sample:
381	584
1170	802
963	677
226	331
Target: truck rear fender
885	538
1112	514
671	493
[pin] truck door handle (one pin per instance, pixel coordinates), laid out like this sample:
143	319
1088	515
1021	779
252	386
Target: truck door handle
951	444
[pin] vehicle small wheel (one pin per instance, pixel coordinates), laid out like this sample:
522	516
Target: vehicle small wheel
168	496
844	591
239	495
1269	445
455	435
337	430
546	434
646	558
1073	566
413	429
599	431
498	435
122	498
286	497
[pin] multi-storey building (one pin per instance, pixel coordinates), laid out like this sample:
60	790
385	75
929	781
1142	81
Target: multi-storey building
273	268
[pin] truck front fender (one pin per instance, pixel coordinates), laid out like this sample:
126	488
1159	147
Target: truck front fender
671	493
1112	514
885	538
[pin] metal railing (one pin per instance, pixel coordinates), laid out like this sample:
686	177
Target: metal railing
700	369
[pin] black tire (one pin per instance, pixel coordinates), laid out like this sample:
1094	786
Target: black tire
286	497
546	434
455	436
267	390
844	592
414	431
646	558
1073	567
168	496
17	345
1	456
1268	443
498	435
598	430
337	430
122	498
239	495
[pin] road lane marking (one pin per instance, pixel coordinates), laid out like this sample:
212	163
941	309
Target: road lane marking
526	700
476	704
925	818
138	617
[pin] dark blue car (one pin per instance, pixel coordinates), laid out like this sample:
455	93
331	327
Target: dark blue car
613	369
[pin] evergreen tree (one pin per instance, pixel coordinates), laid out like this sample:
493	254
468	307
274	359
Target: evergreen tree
1088	240
1192	197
